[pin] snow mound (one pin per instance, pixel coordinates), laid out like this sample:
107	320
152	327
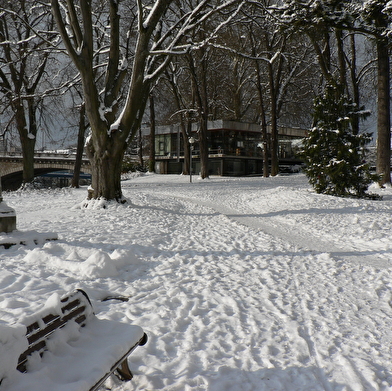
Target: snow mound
98	264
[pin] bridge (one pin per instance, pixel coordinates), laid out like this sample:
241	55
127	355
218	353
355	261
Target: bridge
11	167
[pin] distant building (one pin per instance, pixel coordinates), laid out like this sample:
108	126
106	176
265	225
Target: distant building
235	148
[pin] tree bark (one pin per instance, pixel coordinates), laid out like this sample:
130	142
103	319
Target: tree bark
203	137
354	82
27	135
79	148
203	144
341	60
274	79
200	91
263	121
140	148
383	165
274	124
151	162
185	137
106	164
28	146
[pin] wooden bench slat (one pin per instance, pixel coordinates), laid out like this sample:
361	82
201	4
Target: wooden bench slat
75	308
57	322
30	328
70	306
22	362
50	318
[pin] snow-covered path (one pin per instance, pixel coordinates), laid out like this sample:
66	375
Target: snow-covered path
241	284
309	220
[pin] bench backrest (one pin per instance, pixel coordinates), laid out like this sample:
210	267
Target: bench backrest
75	306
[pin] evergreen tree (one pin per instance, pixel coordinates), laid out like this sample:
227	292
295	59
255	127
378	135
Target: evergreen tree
333	153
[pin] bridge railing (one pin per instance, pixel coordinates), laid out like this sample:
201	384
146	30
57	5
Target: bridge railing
60	153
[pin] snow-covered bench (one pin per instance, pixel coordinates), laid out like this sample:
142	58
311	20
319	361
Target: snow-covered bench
66	347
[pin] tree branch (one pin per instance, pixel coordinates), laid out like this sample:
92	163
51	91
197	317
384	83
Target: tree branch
74	24
63	32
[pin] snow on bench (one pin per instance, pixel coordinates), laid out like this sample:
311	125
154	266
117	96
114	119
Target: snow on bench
66	347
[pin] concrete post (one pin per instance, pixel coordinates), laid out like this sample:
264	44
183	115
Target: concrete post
7	216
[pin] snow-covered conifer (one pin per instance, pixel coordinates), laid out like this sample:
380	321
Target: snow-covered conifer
333	153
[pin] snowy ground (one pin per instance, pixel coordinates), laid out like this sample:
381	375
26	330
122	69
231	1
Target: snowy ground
240	283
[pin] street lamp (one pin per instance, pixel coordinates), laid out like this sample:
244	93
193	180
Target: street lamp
191	142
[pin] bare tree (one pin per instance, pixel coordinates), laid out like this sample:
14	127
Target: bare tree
155	39
172	79
200	90
280	58
26	38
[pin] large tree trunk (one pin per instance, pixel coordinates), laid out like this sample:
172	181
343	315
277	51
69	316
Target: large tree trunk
383	165
106	164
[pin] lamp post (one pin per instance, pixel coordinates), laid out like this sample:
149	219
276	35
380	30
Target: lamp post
191	142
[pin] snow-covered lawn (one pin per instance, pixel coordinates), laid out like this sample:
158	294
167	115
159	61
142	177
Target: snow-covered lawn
240	283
